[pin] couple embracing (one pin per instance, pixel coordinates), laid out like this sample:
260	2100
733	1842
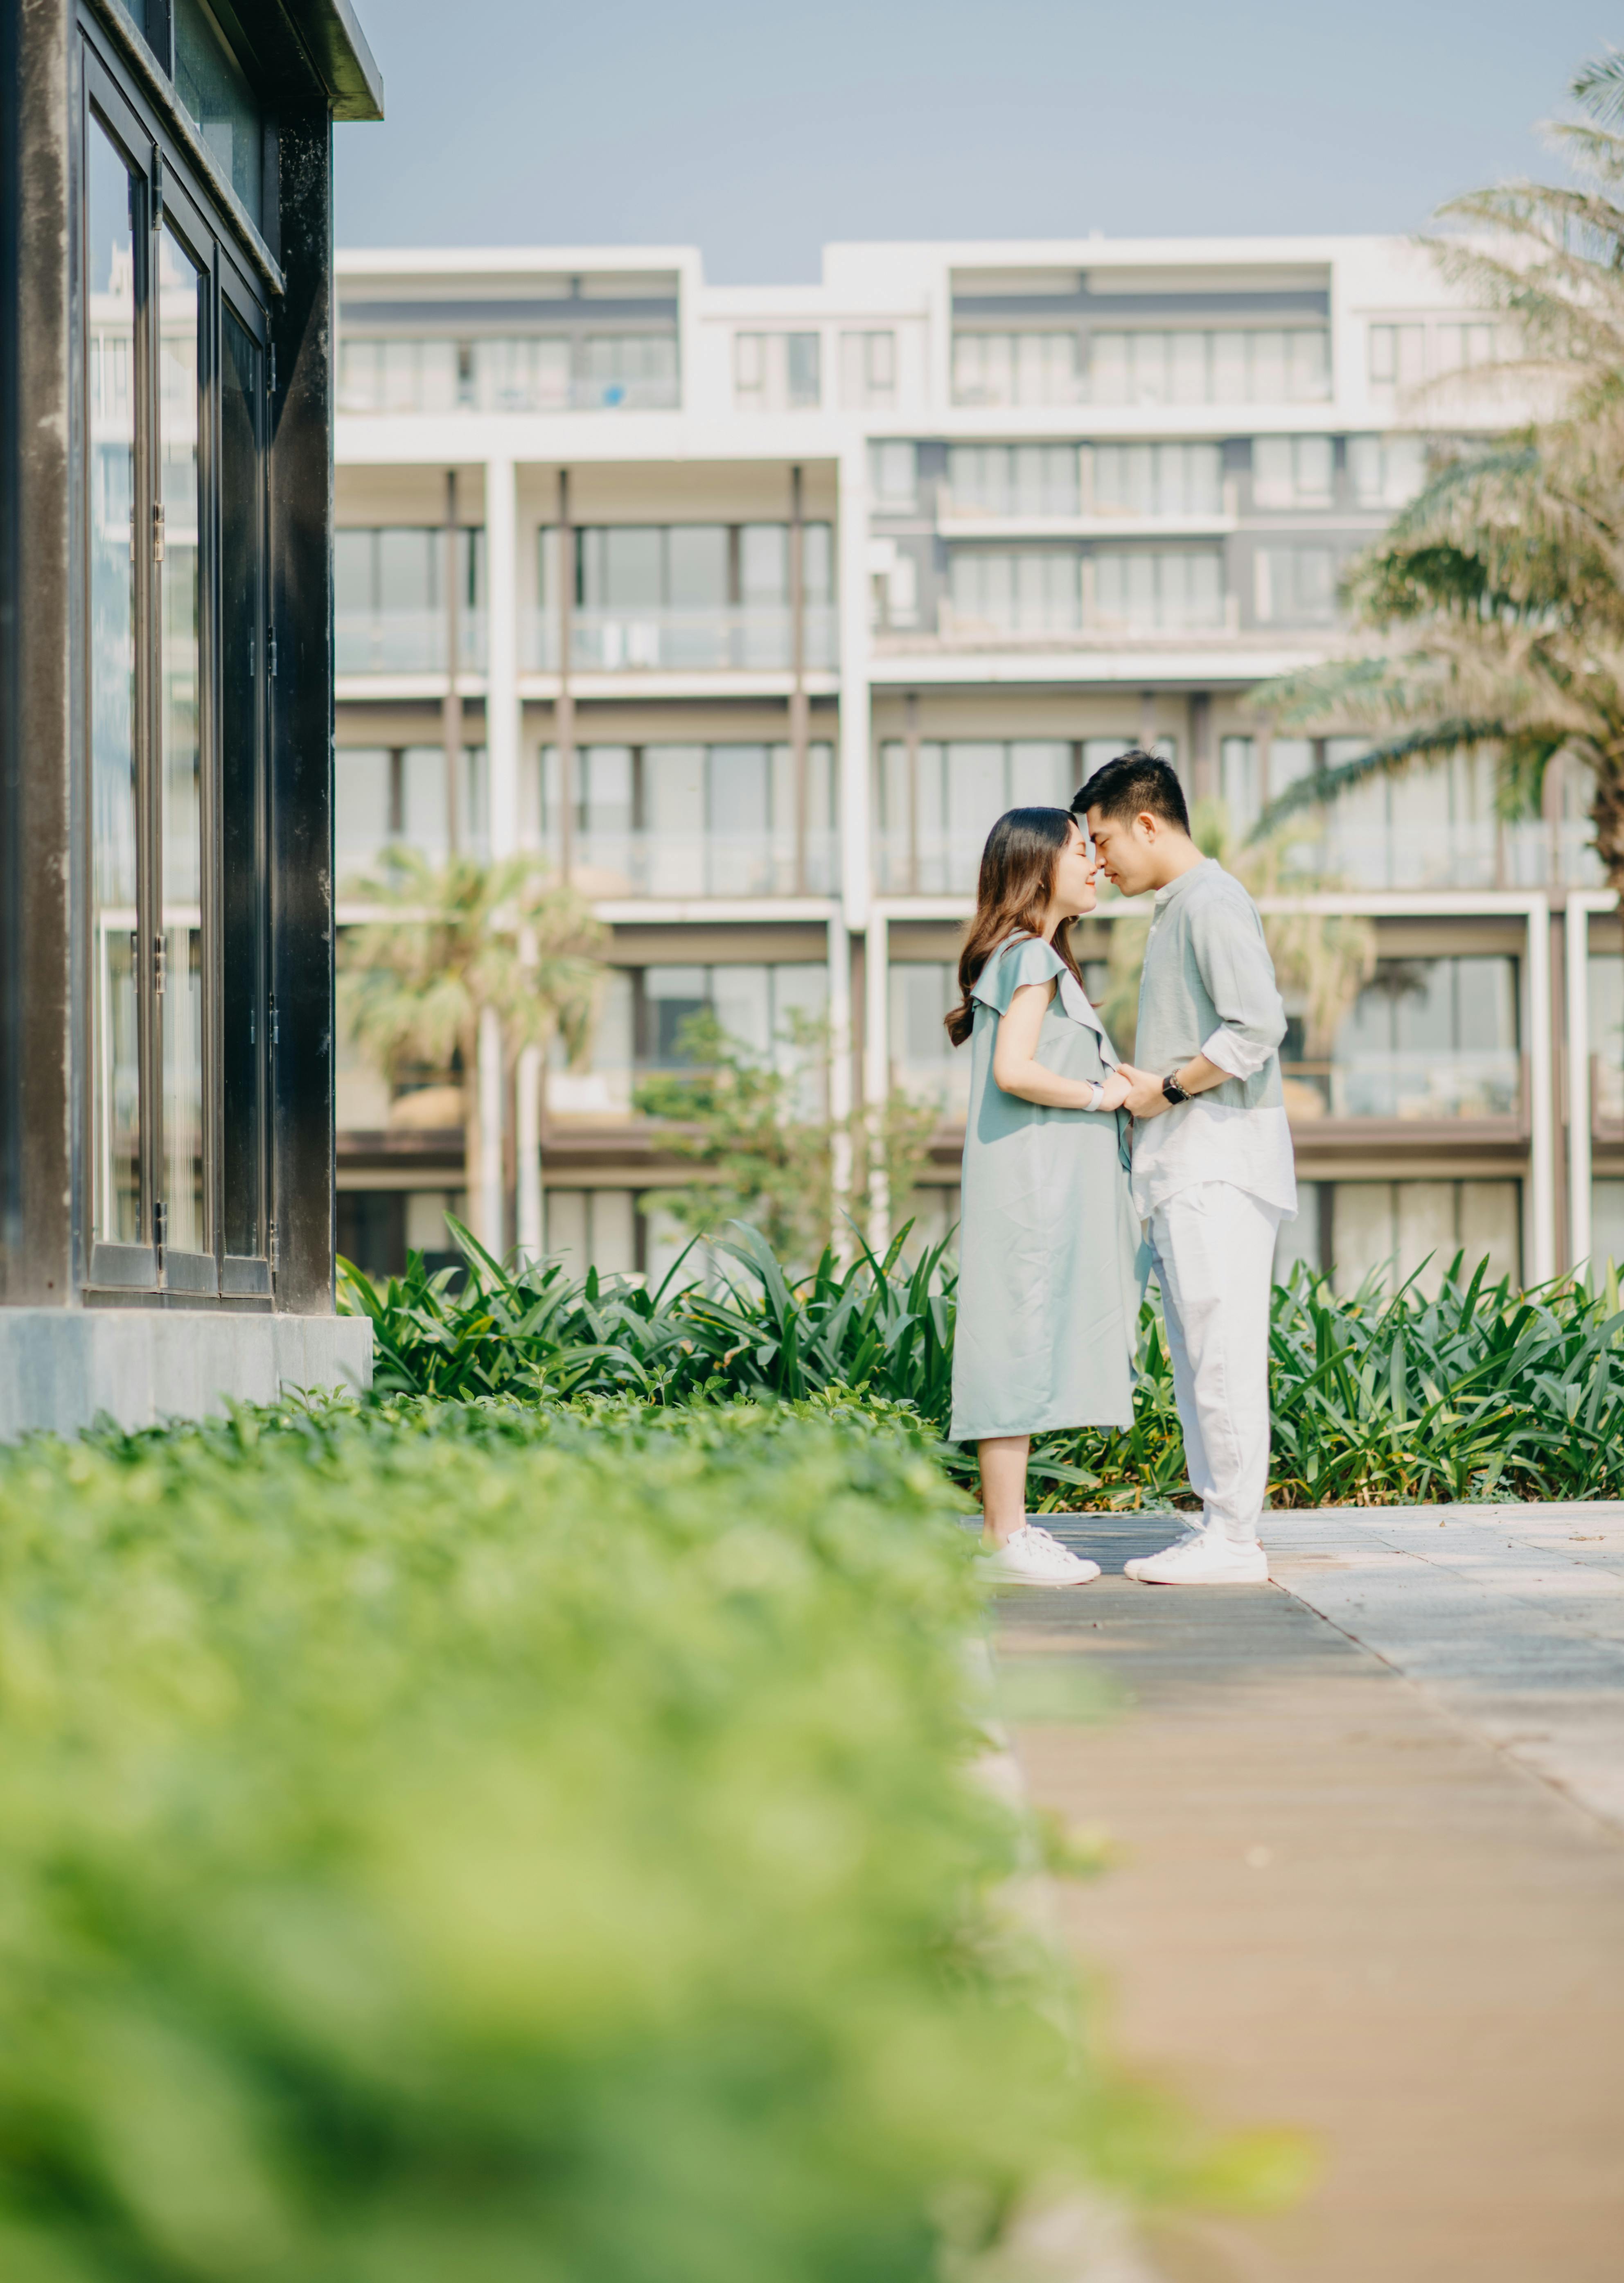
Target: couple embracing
1057	1188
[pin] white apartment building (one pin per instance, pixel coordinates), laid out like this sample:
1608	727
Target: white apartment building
753	607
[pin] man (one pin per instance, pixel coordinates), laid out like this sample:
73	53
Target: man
1213	1174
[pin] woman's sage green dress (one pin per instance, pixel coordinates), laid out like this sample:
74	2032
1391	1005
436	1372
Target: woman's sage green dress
1052	1261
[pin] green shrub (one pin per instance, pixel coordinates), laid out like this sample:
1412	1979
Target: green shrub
462	1844
1483	1391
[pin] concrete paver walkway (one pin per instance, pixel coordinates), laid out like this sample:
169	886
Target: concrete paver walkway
1372	1881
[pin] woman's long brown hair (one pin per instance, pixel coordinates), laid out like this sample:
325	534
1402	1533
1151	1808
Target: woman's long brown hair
1011	898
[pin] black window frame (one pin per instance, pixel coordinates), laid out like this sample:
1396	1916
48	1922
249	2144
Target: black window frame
167	188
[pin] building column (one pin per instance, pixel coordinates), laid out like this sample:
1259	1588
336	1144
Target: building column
838	956
503	716
503	740
1579	1174
876	1070
1541	1221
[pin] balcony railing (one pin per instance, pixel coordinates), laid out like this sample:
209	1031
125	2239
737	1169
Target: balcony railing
680	865
639	641
405	642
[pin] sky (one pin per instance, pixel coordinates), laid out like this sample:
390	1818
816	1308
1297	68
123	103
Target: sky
760	131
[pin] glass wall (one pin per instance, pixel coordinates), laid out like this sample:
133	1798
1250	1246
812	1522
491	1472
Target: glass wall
1292	472
1024	368
687	596
560	372
1435	826
116	1013
690	820
1607	994
771	1009
1295	586
937	807
171	395
777	373
1012	479
1425	1039
1158	590
1250	367
390	601
394	797
1155	479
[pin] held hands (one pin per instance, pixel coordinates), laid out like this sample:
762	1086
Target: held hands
1144	1095
1111	1092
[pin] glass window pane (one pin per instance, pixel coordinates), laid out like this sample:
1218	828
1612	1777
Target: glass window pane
180	313
764	562
697	566
671	996
211	83
742	999
360	825
632	568
111	414
241	680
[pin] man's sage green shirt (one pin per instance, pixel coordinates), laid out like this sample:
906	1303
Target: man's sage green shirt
1208	988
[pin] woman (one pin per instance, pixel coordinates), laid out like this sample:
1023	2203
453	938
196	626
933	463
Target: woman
1050	1277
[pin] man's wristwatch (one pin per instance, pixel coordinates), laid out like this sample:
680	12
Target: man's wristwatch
1174	1091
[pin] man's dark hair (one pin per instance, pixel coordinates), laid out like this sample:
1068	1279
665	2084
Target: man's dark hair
1132	782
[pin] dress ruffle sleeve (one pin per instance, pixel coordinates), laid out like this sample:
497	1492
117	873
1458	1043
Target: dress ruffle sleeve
1022	961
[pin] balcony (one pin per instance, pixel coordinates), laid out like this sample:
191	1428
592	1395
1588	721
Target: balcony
406	642
742	638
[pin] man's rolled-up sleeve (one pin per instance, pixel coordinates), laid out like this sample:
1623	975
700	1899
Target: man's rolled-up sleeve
1238	974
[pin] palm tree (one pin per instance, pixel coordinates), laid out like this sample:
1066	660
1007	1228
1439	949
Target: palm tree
472	961
1499	595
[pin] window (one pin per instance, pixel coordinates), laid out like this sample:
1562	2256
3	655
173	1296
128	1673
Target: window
174	535
383	798
389	599
1398	355
1463	349
1385	470
593	1229
1015	594
590	373
924	1061
1209	368
1015	368
687	596
937	805
1296	585
1606	981
868	371
1161	590
1155	480
1022	480
1292	472
213	88
893	478
1429	1038
1239	781
689	820
775	373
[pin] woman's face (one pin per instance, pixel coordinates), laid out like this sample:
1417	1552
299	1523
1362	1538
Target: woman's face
1075	871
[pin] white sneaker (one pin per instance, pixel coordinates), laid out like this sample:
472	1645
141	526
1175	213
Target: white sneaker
1206	1559
1030	1556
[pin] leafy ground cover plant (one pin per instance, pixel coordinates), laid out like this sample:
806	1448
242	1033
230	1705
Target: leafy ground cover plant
1479	1391
455	1843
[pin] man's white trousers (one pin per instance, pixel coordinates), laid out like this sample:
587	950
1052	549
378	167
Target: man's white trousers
1215	1249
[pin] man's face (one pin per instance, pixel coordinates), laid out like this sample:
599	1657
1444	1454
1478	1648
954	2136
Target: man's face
1126	847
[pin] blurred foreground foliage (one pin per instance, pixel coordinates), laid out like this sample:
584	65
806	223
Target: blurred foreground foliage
466	1843
1479	1391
